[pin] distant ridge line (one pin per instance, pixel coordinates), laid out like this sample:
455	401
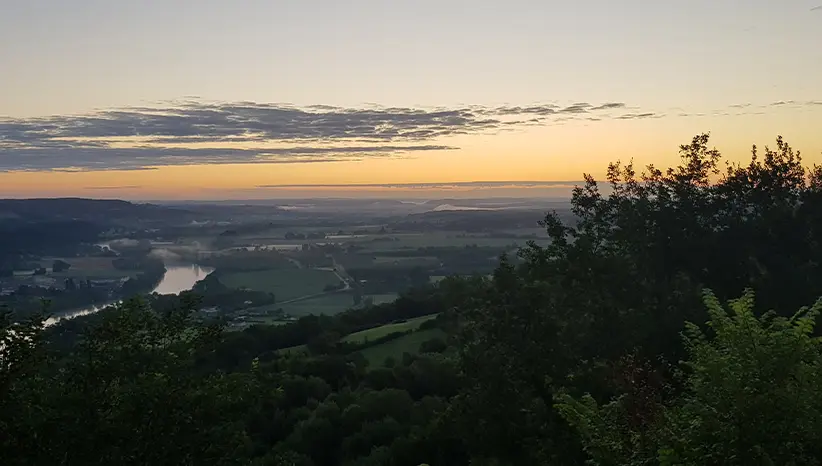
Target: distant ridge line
525	183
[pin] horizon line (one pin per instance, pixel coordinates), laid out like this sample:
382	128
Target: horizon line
427	184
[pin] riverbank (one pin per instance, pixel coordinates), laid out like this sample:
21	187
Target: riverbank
175	279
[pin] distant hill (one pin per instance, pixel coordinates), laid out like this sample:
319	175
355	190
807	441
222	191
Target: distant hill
89	210
57	226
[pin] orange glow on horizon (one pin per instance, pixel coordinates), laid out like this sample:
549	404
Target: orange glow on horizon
553	153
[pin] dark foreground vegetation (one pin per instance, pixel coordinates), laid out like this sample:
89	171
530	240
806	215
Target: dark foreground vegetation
665	326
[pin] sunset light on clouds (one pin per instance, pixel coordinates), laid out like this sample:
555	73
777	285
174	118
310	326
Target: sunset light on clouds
252	99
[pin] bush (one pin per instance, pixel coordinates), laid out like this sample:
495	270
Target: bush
434	345
752	395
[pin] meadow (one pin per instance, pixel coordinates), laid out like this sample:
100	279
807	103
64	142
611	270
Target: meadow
437	239
410	343
284	283
383	330
375	242
87	268
413	261
395	348
383	298
328	304
267	320
380	261
293	350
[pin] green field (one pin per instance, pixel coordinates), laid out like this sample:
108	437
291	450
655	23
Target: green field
383	330
328	304
439	239
267	309
293	350
539	232
88	267
406	261
383	298
394	241
395	348
266	315
286	284
267	320
439	278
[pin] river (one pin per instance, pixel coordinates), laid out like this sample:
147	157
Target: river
177	278
180	278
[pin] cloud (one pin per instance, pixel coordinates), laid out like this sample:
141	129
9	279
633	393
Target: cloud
746	109
637	116
191	131
582	107
792	104
817	8
112	188
542	109
453	185
142	158
609	105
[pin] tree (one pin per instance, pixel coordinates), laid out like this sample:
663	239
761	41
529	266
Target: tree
434	345
127	394
619	280
752	395
21	353
60	266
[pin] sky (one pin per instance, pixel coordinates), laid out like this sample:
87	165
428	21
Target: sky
211	99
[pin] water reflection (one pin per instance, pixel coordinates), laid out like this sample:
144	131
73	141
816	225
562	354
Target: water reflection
178	278
72	314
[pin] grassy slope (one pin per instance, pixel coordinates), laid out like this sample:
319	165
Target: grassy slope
293	350
383	330
376	355
395	348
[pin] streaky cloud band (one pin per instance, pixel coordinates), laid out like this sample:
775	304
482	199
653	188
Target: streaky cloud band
191	131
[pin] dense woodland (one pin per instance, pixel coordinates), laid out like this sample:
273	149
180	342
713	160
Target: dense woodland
672	322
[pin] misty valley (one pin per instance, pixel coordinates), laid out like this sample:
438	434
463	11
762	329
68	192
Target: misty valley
303	258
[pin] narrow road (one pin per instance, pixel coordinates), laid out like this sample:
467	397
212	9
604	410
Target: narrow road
315	295
295	262
343	277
